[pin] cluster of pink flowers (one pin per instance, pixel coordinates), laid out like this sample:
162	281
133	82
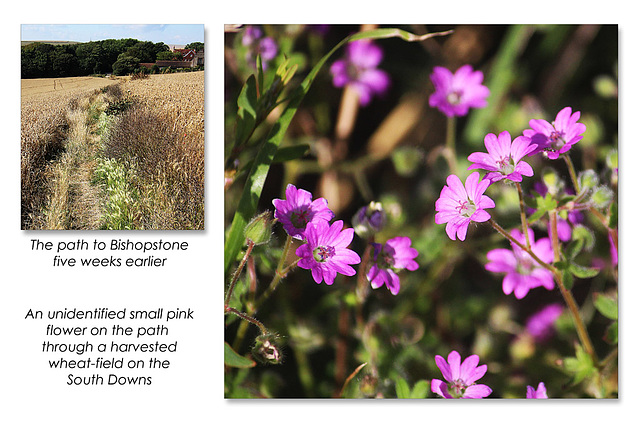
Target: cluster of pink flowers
325	249
458	205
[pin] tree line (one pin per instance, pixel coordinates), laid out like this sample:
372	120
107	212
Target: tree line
119	57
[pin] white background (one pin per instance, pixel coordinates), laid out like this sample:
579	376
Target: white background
190	393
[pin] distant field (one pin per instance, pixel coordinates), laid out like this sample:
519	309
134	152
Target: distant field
27	42
62	86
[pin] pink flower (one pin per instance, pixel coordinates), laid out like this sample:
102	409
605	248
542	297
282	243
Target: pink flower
541	324
556	138
456	92
458	205
297	210
359	70
523	272
266	47
460	378
325	253
540	393
395	255
503	157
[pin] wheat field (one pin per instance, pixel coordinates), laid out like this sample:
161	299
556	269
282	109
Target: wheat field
166	126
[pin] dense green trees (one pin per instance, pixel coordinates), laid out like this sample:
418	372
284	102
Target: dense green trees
195	45
119	56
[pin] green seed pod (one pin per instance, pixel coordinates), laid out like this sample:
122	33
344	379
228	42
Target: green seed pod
259	229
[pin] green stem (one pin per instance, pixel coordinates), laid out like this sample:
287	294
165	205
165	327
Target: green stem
523	215
512	239
566	293
278	275
450	144
252	309
572	173
236	275
244	316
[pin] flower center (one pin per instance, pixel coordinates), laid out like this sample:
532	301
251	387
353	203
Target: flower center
386	259
466	208
525	265
556	140
353	71
323	253
457	388
506	165
300	219
454	97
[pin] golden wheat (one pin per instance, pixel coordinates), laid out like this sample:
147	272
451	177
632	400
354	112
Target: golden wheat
44	122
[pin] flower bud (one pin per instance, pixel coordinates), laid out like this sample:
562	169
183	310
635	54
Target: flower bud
259	229
588	179
552	181
369	385
602	196
369	220
266	350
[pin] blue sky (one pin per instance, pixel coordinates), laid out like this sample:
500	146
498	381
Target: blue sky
169	33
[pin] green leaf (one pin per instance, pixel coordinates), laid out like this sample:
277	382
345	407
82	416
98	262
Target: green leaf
420	389
543	205
247	111
611	334
613	215
402	388
567	278
233	359
583	272
262	162
580	366
606	305
291	152
581	238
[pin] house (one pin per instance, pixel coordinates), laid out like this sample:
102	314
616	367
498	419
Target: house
190	59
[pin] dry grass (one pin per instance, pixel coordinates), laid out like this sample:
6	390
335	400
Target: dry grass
44	128
161	140
163	136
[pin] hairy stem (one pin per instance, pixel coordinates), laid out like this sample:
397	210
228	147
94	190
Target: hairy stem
236	274
278	275
244	316
523	215
450	145
508	236
566	293
572	173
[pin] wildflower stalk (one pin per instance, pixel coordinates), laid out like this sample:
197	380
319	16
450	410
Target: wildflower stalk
278	275
523	215
566	293
602	218
236	274
244	316
362	288
253	308
509	237
572	173
450	144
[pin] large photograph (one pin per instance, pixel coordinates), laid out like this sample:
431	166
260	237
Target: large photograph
421	211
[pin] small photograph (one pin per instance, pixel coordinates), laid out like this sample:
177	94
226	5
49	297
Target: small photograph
112	127
421	211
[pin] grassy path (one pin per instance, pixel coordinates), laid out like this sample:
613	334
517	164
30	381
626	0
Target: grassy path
74	203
